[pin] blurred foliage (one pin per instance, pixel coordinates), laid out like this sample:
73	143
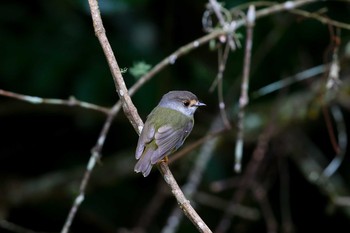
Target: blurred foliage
139	68
48	49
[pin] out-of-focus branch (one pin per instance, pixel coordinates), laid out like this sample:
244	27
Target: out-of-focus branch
72	101
222	61
294	5
244	99
303	75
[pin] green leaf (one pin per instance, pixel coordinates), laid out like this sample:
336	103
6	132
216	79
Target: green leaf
139	69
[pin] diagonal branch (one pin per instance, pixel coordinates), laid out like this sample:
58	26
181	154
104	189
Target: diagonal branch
131	113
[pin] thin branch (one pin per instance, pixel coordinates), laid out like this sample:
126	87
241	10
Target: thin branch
285	6
222	65
224	23
217	9
72	101
222	60
303	13
244	99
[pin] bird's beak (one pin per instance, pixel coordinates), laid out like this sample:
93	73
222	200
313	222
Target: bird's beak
198	104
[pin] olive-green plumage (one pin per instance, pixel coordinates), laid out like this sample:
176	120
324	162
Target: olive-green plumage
165	129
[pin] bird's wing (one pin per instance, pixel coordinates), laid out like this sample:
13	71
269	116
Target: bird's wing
146	136
169	140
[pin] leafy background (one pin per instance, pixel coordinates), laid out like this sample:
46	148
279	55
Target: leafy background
48	49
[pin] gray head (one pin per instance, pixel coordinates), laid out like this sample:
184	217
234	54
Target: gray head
183	101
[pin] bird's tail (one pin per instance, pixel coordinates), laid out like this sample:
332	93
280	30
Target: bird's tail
144	164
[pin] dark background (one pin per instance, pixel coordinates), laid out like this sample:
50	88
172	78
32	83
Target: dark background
48	49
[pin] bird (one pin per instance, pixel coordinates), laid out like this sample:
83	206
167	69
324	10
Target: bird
165	129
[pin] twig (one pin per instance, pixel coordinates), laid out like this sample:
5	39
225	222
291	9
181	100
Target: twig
285	6
217	8
222	60
295	4
244	99
222	65
181	199
72	101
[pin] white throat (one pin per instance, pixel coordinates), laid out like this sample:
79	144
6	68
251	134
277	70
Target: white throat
178	106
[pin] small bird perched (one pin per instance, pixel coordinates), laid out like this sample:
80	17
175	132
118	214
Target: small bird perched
165	129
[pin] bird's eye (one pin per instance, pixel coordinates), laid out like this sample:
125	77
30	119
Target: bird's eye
186	103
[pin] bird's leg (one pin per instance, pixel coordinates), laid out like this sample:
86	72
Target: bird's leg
165	160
